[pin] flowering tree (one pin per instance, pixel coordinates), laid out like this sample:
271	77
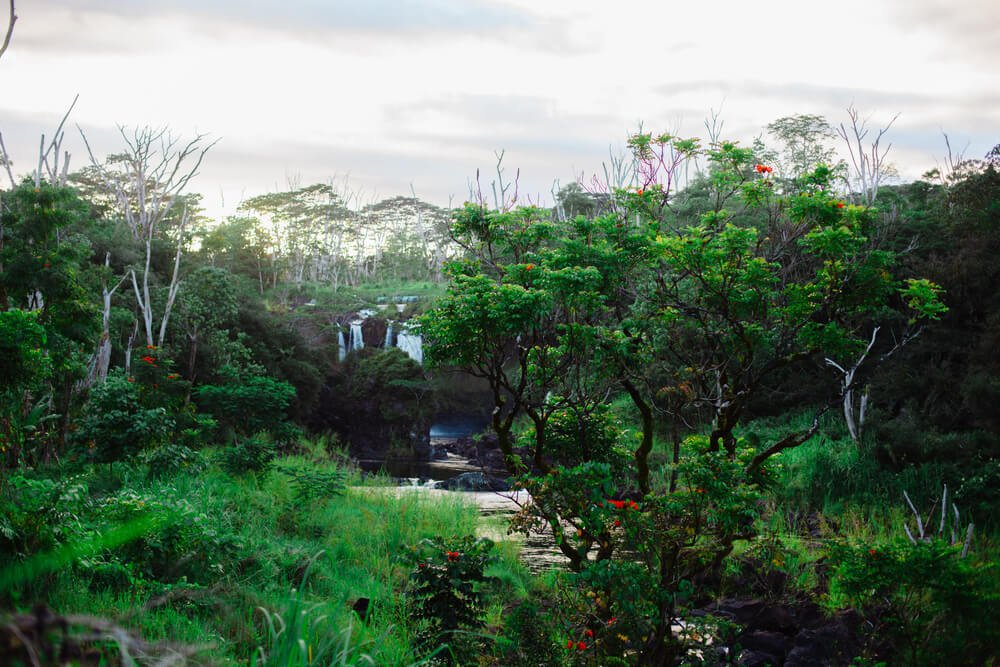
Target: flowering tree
690	308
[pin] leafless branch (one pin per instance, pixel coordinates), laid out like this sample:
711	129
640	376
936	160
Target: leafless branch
5	160
10	30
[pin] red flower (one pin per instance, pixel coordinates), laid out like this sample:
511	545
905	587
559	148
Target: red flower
611	621
840	204
173	376
634	505
763	169
422	566
619	504
617	523
582	646
640	191
529	267
150	347
588	633
700	490
148	359
569	644
131	379
452	555
872	552
47	265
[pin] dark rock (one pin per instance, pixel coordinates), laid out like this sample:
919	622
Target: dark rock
474	481
361	607
758	659
763	641
830	644
373	331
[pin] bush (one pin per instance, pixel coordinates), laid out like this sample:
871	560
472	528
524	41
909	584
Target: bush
247	405
933	606
253	454
444	589
115	425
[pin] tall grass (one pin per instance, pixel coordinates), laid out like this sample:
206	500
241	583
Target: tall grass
286	571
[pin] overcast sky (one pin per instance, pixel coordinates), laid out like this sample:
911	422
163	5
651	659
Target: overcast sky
423	92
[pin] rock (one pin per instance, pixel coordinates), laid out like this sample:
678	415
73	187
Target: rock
830	644
763	641
474	481
758	659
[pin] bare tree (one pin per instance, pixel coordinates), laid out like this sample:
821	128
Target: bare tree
868	164
146	182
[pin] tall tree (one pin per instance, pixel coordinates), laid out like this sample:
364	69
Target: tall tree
146	182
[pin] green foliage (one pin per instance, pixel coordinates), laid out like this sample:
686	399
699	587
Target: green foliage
247	405
575	436
116	425
170	459
253	453
23	361
934	606
445	590
312	483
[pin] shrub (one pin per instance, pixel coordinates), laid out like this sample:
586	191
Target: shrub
444	589
252	454
115	425
247	405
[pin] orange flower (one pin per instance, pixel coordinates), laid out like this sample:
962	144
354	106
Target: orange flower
529	267
640	191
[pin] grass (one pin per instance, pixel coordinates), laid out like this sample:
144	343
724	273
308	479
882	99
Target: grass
276	572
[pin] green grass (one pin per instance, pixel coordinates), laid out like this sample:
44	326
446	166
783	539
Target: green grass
278	558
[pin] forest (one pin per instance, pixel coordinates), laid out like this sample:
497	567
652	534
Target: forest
746	394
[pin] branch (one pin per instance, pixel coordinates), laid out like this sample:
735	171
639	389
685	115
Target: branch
10	29
788	442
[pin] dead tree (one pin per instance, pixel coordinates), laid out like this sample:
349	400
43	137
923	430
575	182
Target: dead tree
869	168
924	532
146	182
856	411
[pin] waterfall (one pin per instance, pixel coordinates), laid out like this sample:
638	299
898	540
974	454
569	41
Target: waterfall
412	344
342	351
388	335
357	339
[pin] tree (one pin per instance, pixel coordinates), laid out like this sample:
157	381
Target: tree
146	182
682	313
868	166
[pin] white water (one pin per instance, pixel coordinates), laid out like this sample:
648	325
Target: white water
357	339
412	344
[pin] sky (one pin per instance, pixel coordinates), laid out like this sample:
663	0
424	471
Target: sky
392	97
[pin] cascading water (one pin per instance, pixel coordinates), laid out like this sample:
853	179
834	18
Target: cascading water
342	351
412	344
357	339
388	335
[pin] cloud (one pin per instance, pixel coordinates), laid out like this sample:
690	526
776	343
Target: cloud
69	24
967	30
